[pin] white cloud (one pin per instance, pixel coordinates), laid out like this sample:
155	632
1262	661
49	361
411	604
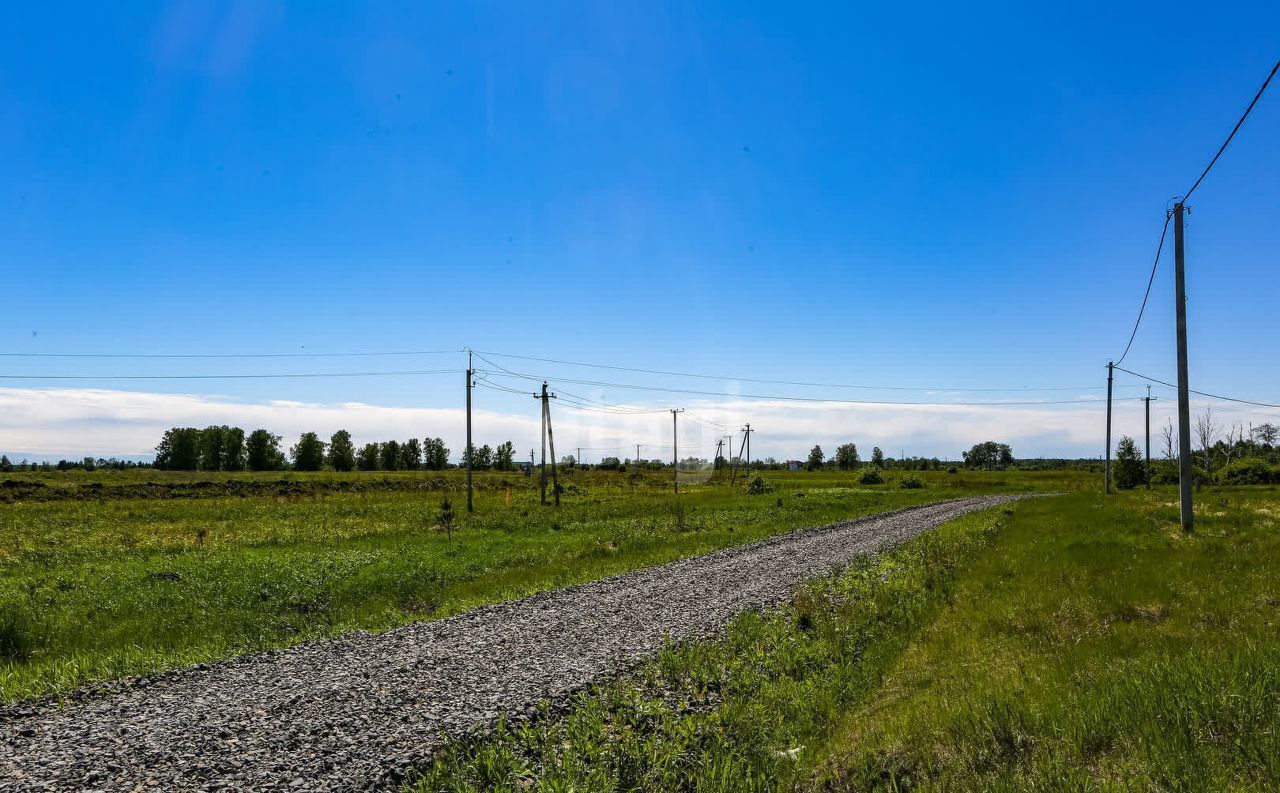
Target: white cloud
103	422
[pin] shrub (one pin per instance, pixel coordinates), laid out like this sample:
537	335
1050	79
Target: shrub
870	476
953	470
757	486
1249	471
911	482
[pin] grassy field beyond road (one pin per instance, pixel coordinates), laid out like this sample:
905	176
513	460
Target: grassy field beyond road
94	588
1068	643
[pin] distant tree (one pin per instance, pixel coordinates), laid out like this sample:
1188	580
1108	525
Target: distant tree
342	454
233	450
389	456
504	457
211	446
1265	434
877	457
1206	432
179	450
816	458
308	454
411	455
569	461
1129	472
847	457
368	458
435	455
483	460
6	467
609	464
264	451
989	455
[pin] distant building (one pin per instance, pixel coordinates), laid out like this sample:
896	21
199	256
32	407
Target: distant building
794	465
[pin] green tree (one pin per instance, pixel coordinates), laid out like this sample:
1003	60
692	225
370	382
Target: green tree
504	457
389	456
877	457
6	467
179	450
233	451
411	455
368	458
483	460
435	455
989	455
847	457
816	459
212	442
1129	471
264	451
342	454
308	454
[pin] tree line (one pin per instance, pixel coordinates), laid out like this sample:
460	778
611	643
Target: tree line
223	448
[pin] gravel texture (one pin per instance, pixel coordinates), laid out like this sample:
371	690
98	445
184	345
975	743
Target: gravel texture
355	712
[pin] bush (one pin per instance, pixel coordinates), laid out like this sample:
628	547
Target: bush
1250	471
870	476
953	470
911	482
757	486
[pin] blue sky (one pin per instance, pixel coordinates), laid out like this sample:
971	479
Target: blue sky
929	196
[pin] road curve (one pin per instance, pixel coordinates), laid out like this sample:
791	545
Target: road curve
354	712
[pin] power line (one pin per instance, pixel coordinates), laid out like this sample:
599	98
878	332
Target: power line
783	398
1147	294
1200	393
209	356
1234	130
276	375
758	380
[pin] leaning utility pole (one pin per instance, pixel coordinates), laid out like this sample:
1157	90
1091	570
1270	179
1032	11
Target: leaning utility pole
470	384
1107	469
1147	399
1184	398
675	453
551	440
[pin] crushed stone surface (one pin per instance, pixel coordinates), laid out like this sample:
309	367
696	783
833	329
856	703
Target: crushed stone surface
356	712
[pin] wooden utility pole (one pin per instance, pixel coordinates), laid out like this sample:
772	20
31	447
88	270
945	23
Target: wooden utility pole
470	384
546	436
551	440
733	460
741	446
1111	367
1184	398
637	454
719	446
675	452
747	435
1147	399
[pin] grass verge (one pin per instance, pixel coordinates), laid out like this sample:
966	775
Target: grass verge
99	589
1072	643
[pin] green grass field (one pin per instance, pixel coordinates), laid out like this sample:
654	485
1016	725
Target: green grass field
1067	643
95	587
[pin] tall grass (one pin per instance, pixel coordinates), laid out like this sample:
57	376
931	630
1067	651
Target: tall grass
1072	643
94	589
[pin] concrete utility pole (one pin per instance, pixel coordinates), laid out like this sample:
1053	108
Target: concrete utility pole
675	453
1147	400
637	454
741	446
747	434
1184	398
470	384
1111	367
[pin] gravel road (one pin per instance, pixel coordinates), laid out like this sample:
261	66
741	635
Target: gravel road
354	712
